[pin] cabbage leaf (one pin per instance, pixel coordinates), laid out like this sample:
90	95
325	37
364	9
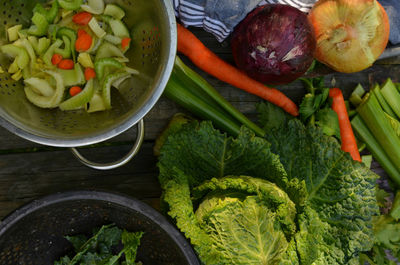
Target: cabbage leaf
232	196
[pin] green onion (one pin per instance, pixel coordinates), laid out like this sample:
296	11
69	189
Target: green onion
190	90
392	96
375	148
196	82
376	120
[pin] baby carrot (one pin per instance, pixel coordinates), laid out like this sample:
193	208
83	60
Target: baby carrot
90	73
349	143
56	59
75	90
83	43
66	64
205	59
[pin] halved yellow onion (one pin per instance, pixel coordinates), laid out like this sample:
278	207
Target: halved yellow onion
350	34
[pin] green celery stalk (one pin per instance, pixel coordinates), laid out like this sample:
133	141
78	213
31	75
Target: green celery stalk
375	148
375	119
392	96
177	92
376	90
201	88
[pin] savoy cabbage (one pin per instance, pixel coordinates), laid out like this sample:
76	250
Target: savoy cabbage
292	197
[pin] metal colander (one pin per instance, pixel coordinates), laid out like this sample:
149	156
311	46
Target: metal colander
153	30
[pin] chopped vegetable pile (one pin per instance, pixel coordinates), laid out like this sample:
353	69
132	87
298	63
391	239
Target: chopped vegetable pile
108	245
71	55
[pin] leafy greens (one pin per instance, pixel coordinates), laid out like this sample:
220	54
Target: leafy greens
101	247
292	197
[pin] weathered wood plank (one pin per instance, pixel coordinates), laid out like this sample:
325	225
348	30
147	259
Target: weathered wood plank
24	177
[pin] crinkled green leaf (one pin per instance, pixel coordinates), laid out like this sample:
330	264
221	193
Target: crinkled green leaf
131	242
202	153
339	189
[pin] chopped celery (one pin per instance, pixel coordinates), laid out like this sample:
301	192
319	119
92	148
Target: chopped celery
95	45
108	81
13	67
375	148
95	27
31	52
376	90
119	28
96	104
20	54
66	52
34	42
72	35
70	4
101	64
40	86
85	60
17	76
108	50
79	101
355	99
392	96
106	18
47	102
73	77
375	119
94	6
113	39
114	11
1	70
50	52
50	14
43	45
13	33
40	25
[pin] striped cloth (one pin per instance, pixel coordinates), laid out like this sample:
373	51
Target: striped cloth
219	17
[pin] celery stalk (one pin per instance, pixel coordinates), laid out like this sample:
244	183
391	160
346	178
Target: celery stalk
375	119
194	80
375	148
181	95
376	90
392	96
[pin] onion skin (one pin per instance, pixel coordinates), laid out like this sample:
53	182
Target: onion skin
274	44
342	43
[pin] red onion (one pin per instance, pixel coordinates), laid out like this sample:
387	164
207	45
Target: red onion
274	44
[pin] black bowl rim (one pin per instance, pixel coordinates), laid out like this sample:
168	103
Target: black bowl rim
110	197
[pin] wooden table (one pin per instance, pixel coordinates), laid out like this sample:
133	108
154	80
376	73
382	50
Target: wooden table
29	171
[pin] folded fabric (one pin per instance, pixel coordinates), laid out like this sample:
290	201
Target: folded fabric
220	17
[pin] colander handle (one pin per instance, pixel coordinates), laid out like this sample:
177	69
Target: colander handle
108	166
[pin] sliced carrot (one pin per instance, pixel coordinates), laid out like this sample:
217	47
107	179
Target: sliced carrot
205	59
83	43
81	32
90	73
349	143
56	59
125	43
75	90
66	64
82	18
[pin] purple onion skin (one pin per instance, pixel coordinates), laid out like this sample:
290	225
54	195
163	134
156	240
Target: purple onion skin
262	41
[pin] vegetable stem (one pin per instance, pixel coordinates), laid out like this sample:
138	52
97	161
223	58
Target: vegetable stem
392	96
375	119
375	148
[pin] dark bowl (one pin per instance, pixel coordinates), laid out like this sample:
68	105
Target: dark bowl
35	233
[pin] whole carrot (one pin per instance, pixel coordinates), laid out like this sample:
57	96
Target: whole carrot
205	59
349	143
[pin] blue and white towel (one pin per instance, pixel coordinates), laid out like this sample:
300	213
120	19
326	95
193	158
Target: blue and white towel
219	17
